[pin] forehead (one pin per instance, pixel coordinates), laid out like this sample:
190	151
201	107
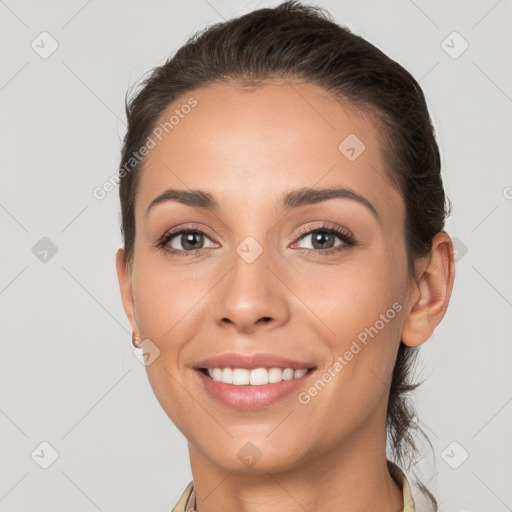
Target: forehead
248	145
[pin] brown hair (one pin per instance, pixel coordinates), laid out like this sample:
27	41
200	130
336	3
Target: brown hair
294	41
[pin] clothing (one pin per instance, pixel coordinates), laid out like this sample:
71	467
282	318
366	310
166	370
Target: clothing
187	501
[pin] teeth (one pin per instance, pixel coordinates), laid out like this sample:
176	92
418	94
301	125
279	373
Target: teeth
227	375
255	377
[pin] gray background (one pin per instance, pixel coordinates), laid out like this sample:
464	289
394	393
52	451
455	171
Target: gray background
67	373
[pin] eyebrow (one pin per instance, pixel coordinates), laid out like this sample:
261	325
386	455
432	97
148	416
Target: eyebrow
290	200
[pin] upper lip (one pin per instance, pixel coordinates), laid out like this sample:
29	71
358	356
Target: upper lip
251	361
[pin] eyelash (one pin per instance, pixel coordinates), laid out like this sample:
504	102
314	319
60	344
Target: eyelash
348	240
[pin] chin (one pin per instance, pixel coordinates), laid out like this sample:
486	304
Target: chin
249	458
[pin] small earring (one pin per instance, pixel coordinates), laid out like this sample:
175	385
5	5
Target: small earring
135	340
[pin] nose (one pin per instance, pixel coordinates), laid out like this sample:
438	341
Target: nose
251	295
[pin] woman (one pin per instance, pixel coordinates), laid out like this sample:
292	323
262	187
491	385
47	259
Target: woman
284	257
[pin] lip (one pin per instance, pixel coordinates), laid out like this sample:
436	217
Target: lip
249	397
251	361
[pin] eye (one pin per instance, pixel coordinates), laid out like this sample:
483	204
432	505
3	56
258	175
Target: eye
183	242
323	239
191	241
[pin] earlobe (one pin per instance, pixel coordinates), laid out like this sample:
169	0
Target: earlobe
432	293
125	287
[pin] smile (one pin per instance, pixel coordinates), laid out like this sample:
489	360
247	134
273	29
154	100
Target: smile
254	377
268	386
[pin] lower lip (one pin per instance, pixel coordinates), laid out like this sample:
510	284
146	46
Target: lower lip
252	397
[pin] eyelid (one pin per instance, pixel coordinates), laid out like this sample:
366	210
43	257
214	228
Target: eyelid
344	234
326	225
185	227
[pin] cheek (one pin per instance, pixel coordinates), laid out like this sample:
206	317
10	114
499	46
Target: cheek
362	305
165	314
168	302
358	291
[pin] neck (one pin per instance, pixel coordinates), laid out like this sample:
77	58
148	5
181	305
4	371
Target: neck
352	476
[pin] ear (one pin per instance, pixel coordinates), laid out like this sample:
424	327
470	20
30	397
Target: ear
430	296
125	286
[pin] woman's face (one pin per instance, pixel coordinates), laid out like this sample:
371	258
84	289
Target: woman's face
258	280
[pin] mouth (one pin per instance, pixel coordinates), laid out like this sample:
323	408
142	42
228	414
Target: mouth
252	389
